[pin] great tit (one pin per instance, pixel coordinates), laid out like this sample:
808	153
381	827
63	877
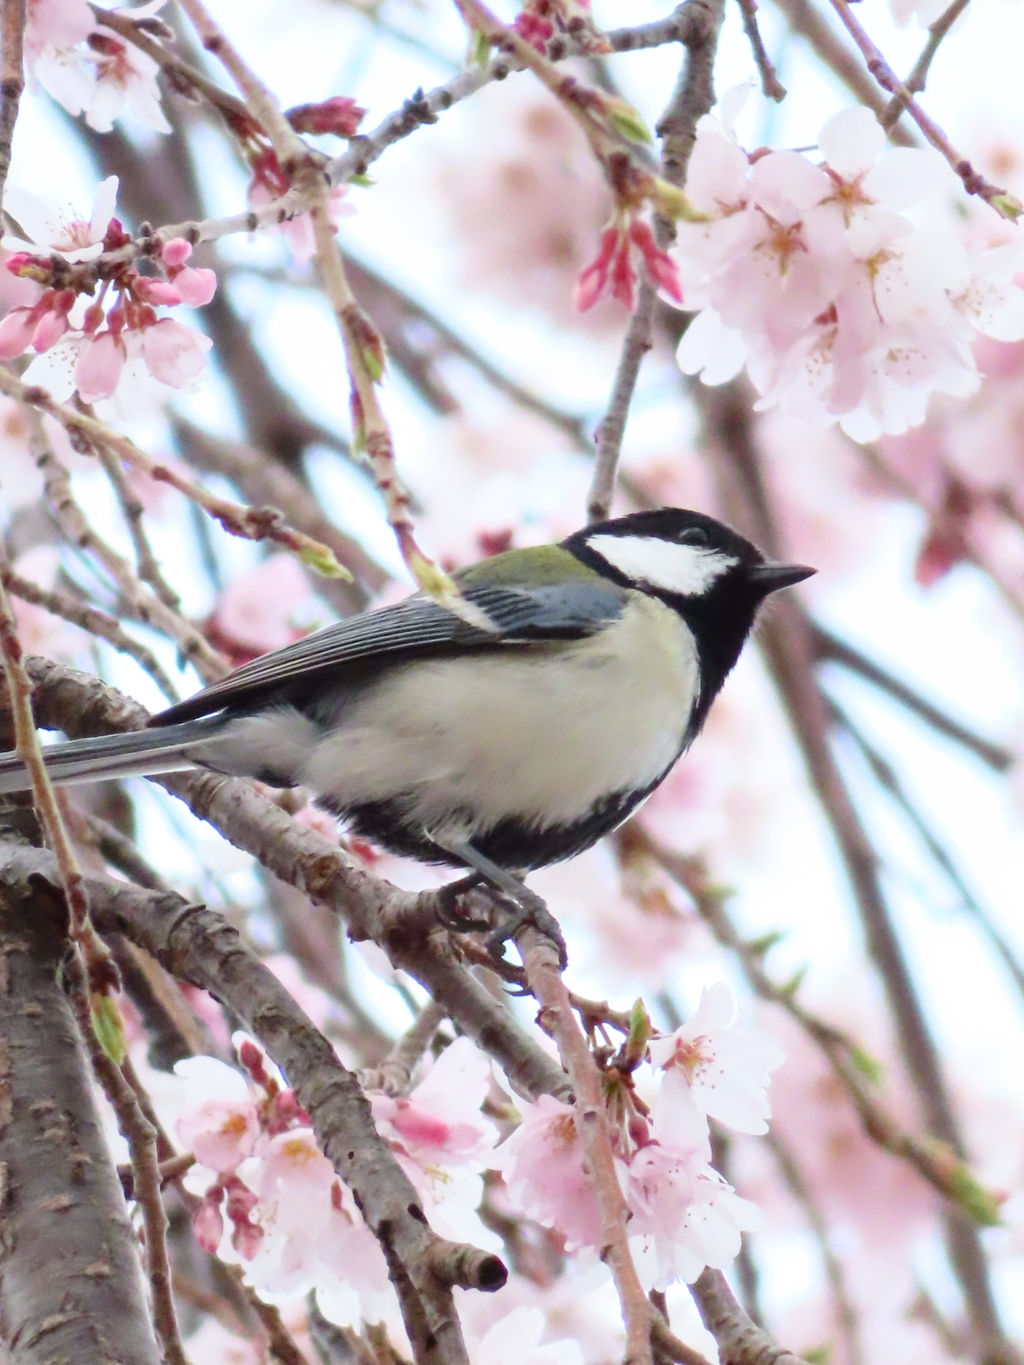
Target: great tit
508	748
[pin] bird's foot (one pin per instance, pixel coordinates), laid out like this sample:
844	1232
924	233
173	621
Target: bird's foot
449	913
525	907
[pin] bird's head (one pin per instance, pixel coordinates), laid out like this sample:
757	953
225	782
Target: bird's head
685	557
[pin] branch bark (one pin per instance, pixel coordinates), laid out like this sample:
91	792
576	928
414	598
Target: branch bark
70	1280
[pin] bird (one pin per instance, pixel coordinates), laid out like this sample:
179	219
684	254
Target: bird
499	747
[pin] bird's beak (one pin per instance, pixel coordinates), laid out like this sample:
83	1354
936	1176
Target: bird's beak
772	577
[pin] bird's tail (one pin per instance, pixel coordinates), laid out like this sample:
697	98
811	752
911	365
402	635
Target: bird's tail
163	749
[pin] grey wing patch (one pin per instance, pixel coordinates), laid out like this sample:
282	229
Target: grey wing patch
416	626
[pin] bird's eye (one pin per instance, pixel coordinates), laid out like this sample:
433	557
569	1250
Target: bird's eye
695	535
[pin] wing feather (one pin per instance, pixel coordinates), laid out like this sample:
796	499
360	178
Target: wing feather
416	626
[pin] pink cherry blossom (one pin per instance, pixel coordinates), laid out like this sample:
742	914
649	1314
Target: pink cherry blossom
714	1069
221	1124
56	24
683	1221
542	1164
57	229
173	353
126	81
440	1123
98	366
812	277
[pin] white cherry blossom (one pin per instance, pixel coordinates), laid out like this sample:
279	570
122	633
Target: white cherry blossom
56	227
712	1069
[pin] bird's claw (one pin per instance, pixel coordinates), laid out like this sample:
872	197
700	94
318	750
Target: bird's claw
526	909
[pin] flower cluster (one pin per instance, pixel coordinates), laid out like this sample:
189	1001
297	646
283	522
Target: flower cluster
89	68
684	1216
814	278
91	347
539	20
272	1200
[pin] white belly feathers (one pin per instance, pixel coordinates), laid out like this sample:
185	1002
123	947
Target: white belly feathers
546	734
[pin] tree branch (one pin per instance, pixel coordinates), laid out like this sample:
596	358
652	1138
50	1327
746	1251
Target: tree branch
70	1281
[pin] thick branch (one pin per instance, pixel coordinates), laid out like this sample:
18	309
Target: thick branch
199	946
70	1281
12	78
740	1342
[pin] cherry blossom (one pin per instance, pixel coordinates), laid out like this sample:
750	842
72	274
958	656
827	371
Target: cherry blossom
55	25
57	228
814	278
221	1130
713	1069
439	1123
542	1163
516	1340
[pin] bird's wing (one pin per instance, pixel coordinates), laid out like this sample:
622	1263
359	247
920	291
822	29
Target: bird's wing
565	611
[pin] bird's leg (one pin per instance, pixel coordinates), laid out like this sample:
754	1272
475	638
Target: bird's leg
529	907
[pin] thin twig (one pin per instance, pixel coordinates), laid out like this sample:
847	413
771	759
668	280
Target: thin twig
846	1313
146	565
394	1072
831	649
141	1137
771	87
540	960
885	774
12	78
90	619
829	47
918	78
79	532
249	523
973	182
693	96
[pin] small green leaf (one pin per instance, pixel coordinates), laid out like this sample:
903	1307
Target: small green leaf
1007	206
790	987
363	181
108	1027
479	48
322	561
627	121
760	946
973	1198
867	1065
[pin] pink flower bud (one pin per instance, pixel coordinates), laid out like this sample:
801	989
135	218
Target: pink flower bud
93	318
208	1226
20	259
175	252
196	286
157	291
49	330
99	365
339	115
16	332
662	268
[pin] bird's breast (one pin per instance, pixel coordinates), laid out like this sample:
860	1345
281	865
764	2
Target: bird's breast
541	733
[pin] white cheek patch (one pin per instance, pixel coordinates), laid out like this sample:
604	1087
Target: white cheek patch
685	569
